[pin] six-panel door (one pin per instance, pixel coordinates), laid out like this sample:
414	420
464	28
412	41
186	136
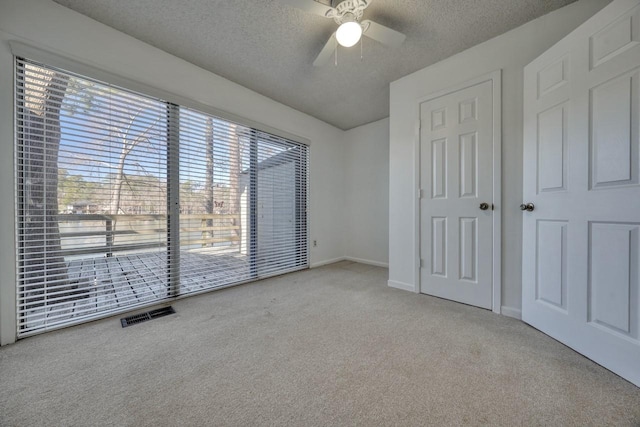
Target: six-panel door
582	173
456	170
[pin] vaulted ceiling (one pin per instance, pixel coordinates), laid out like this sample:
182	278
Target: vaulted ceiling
269	47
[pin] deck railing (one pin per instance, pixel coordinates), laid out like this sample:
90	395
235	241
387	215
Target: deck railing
139	231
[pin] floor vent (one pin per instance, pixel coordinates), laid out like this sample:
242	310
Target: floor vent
143	317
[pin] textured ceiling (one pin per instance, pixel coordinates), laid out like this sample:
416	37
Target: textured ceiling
269	47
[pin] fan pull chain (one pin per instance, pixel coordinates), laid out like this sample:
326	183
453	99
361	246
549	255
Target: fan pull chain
336	54
361	48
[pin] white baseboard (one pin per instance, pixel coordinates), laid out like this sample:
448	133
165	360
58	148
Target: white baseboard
516	313
326	261
367	261
400	285
348	258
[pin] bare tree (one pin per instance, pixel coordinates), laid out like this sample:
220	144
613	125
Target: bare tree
127	121
208	185
128	140
39	127
234	179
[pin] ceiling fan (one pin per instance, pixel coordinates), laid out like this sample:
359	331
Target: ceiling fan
347	15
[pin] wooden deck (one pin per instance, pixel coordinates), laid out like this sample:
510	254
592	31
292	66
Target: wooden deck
107	284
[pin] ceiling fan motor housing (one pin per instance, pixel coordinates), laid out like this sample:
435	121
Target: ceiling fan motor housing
348	10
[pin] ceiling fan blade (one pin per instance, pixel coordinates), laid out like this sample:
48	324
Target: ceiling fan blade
309	6
325	54
384	35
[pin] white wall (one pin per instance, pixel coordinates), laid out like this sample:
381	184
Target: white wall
55	28
509	52
367	193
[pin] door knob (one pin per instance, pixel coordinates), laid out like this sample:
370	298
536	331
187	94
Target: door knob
484	206
529	207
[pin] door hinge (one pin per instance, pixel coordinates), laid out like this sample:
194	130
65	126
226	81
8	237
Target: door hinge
421	263
420	193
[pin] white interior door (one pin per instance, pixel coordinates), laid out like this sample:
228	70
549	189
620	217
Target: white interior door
456	171
581	172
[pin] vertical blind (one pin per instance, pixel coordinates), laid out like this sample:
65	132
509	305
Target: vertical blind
123	200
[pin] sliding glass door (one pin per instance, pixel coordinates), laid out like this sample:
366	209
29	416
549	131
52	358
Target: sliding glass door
242	203
123	200
214	223
91	197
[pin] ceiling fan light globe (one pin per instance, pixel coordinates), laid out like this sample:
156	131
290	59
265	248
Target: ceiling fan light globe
349	33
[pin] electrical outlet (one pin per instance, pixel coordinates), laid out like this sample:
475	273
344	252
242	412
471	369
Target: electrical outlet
315	243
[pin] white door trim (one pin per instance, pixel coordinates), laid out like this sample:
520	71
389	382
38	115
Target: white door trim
495	78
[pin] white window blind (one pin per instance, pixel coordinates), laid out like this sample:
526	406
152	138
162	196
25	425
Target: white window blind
123	200
91	197
281	175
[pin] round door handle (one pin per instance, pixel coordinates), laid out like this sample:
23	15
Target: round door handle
484	206
529	207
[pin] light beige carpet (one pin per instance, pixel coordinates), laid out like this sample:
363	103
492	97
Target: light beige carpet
329	346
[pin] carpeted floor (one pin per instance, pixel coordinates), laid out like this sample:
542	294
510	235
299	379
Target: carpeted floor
328	346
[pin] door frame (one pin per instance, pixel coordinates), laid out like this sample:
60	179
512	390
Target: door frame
495	78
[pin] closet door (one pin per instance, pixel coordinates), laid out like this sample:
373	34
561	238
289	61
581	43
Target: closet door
581	226
456	197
